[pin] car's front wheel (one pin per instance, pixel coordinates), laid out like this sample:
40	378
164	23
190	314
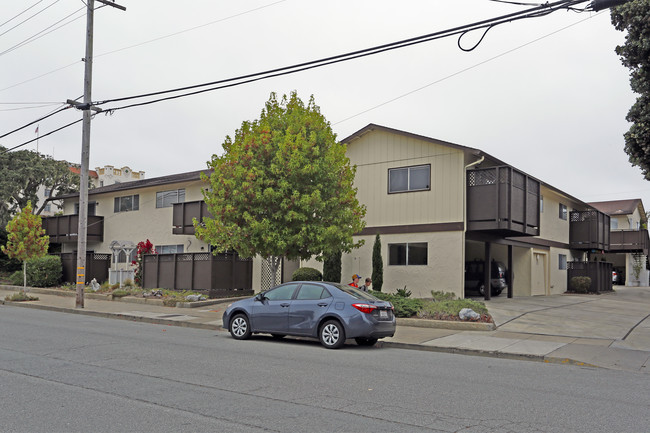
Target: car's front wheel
481	289
240	327
332	334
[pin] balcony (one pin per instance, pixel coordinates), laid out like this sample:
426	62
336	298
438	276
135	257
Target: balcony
629	241
184	213
589	230
502	201
64	228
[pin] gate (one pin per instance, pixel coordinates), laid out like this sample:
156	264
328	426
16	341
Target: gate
97	265
599	272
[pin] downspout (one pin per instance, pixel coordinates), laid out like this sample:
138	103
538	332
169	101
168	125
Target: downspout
480	160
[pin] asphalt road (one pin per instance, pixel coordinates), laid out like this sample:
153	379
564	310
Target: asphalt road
73	373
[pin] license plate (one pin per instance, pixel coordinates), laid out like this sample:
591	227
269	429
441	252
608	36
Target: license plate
383	314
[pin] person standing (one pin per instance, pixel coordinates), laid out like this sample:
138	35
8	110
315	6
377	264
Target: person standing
366	287
355	281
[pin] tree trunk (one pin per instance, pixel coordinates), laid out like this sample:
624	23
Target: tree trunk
24	274
274	264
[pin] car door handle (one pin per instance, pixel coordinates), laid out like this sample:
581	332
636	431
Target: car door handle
284	305
323	304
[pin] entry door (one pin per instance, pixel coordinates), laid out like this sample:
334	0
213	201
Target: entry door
538	274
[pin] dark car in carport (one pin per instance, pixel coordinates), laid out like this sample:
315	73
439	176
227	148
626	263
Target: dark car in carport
331	312
475	277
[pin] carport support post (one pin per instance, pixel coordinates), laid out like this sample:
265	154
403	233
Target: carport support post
488	271
510	273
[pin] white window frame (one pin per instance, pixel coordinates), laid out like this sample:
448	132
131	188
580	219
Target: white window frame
168	198
408	170
135	203
562	262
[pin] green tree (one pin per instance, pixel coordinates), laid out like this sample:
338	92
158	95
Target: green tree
283	187
23	172
332	267
377	265
634	17
26	238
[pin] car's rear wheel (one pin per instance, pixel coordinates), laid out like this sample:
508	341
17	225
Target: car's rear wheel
240	327
481	289
332	334
363	341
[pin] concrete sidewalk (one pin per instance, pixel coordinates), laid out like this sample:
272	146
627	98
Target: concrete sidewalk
609	331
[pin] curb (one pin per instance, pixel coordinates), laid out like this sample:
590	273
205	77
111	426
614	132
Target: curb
446	324
152	320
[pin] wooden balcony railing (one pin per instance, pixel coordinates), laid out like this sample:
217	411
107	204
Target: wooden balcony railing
64	228
184	214
629	241
502	200
589	230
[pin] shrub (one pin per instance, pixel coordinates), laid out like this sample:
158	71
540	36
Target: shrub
120	293
41	272
128	283
332	268
377	265
580	284
442	296
404	293
404	306
44	271
307	274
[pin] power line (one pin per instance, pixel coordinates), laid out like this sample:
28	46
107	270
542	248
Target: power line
44	135
27	19
245	79
35	121
16	16
142	43
41	34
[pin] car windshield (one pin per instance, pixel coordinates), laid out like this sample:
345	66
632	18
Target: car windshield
355	293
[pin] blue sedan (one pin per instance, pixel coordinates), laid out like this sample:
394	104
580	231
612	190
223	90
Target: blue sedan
331	312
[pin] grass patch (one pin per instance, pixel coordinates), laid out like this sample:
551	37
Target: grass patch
20	296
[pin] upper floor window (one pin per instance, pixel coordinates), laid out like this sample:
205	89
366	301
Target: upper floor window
127	203
405	179
563	212
92	208
613	224
168	198
541	203
414	253
48	192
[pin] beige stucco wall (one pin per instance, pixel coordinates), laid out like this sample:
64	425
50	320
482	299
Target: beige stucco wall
552	227
377	151
148	222
444	271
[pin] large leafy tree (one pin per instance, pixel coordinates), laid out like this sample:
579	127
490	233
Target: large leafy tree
634	17
26	238
283	187
23	172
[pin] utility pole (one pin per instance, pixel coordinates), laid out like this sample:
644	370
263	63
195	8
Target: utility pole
85	149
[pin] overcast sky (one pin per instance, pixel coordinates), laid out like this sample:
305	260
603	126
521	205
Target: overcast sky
547	95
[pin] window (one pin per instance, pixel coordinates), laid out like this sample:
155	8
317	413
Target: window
92	208
562	262
169	249
541	203
613	224
417	178
563	212
48	207
281	293
48	192
168	198
311	292
408	254
127	203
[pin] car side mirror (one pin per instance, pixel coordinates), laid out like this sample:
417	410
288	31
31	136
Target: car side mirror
260	297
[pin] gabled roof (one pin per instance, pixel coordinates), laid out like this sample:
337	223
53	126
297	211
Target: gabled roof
468	150
144	183
620	207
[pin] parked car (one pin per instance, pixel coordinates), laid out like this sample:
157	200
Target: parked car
618	276
331	312
475	277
